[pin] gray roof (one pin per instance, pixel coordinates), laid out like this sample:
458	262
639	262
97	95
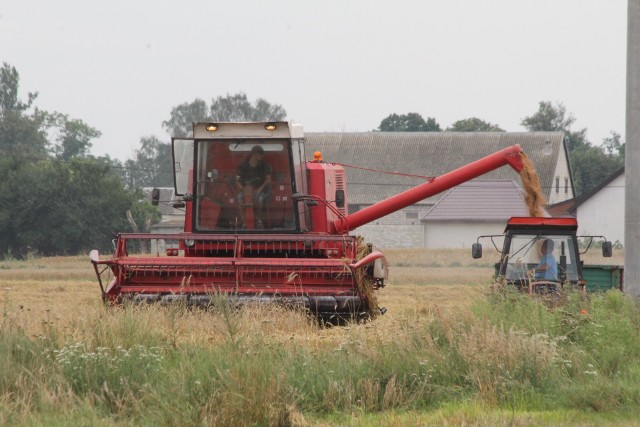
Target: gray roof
426	154
480	200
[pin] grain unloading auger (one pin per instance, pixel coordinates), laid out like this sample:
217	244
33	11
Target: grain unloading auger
280	236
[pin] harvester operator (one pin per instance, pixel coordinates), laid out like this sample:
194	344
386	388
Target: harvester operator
547	268
255	174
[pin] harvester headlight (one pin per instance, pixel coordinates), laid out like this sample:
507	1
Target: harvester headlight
270	126
212	127
190	243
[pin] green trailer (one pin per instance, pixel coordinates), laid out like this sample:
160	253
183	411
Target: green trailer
603	277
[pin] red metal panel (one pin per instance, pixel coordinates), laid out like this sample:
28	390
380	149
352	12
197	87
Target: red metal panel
527	220
324	180
277	265
318	189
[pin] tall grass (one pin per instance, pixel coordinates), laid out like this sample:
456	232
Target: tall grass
269	366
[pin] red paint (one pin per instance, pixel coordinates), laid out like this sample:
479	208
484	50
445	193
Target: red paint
535	220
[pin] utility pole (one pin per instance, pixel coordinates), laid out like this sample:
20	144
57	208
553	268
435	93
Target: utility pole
632	154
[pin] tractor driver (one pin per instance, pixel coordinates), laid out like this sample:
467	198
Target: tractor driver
547	268
254	177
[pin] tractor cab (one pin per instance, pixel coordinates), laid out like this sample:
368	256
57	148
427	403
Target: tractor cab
240	177
541	255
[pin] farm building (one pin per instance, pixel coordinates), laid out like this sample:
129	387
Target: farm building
601	212
435	153
479	207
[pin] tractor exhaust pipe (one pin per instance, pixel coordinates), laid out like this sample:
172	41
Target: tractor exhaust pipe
508	156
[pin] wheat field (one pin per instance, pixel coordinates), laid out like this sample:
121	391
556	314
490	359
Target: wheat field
64	290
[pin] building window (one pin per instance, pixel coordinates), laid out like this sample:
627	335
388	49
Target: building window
566	185
557	184
411	215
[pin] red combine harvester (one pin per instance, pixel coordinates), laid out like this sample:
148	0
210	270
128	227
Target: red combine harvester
285	238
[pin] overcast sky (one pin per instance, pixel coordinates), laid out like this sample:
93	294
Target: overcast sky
334	65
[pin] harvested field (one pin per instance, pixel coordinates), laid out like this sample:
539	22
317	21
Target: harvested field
64	293
62	289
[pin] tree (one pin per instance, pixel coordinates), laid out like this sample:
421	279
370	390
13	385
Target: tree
552	118
613	146
230	108
55	199
236	108
590	165
411	122
151	166
70	207
22	134
73	136
182	116
25	134
9	85
473	124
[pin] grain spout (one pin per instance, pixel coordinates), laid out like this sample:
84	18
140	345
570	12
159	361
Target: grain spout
533	194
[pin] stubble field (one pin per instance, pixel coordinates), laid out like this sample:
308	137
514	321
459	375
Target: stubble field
58	289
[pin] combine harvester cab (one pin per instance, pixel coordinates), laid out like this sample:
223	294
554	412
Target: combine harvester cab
524	246
285	241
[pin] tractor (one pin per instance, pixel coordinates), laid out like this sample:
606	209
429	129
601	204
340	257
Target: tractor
526	240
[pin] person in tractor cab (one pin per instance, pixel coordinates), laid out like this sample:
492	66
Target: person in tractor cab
547	268
253	180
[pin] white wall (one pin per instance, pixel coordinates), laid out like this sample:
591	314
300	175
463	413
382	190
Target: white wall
392	235
434	235
458	235
562	173
396	230
603	213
